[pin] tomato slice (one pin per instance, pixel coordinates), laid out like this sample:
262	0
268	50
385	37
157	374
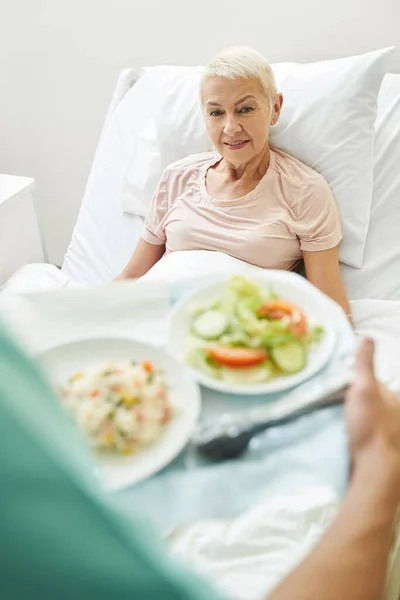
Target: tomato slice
278	309
236	358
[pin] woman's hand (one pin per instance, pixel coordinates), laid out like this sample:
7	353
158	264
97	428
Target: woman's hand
144	257
322	270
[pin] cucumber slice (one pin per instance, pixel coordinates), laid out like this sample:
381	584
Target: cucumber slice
290	357
210	325
277	340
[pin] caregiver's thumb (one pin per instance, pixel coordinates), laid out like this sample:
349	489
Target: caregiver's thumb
364	363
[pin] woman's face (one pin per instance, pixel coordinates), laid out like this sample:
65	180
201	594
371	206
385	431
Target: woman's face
238	116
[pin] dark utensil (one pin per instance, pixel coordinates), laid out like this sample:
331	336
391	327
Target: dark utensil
229	436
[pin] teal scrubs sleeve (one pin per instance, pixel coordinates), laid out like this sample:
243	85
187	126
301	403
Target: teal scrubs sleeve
60	537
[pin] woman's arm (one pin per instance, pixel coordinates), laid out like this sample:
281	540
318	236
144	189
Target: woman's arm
151	246
322	270
144	257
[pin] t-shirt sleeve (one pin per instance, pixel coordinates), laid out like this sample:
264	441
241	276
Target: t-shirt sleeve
318	224
154	232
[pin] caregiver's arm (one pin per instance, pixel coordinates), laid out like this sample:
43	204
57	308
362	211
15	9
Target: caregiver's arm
351	560
322	270
144	257
64	539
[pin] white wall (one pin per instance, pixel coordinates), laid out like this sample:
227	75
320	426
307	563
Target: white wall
59	60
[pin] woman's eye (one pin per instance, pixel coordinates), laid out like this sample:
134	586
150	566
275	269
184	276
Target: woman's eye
246	109
216	113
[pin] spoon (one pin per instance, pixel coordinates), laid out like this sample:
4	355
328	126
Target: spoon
229	436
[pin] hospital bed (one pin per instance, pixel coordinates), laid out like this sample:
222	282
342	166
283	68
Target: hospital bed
104	237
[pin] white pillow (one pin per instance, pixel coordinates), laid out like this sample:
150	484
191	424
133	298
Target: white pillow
379	277
327	121
176	107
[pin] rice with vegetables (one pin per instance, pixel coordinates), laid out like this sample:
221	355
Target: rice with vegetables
121	407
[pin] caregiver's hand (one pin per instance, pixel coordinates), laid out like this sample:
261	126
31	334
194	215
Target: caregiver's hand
373	423
351	559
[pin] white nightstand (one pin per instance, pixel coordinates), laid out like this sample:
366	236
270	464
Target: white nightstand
21	237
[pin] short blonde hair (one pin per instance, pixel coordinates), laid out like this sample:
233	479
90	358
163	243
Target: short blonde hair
243	62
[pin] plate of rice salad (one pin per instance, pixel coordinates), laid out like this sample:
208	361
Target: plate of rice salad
130	400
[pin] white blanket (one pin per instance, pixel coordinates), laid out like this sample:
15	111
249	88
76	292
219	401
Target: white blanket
248	555
37	277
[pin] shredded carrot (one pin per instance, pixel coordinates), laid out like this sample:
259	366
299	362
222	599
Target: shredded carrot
166	415
148	366
278	309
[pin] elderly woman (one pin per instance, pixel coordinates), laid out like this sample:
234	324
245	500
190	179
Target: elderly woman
246	199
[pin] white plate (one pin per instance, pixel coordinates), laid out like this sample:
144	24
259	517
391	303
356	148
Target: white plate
287	285
120	471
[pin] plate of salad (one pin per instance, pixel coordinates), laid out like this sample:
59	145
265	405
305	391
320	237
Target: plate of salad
252	335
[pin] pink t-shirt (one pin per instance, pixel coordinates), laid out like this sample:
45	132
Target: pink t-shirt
291	209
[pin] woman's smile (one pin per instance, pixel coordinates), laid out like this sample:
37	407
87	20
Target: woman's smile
236	145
